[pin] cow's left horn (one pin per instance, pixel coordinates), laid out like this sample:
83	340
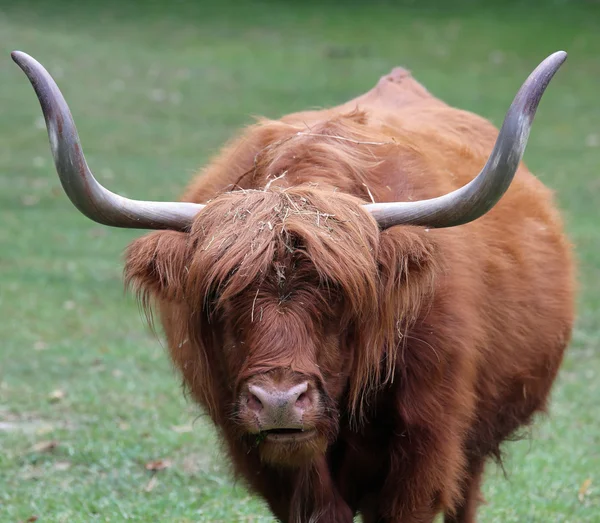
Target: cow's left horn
93	200
483	192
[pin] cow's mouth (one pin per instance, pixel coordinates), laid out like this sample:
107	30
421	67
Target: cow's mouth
288	435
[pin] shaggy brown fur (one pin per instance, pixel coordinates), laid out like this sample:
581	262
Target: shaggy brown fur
428	348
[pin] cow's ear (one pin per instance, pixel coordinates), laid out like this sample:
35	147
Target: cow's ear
407	269
405	252
155	265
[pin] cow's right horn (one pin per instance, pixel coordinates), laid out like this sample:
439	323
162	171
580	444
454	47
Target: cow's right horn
93	200
483	192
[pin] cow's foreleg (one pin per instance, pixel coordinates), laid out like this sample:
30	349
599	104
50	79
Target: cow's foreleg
466	512
316	497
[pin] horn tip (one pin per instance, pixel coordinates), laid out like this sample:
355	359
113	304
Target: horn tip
559	56
555	60
20	58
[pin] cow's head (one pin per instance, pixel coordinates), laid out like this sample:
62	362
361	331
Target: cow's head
280	311
277	302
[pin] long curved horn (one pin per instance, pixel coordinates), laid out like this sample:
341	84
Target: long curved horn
483	192
93	200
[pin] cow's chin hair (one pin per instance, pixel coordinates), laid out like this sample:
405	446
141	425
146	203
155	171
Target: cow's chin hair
292	454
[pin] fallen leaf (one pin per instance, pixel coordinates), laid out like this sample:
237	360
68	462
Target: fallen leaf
39	183
151	484
30	519
56	395
98	365
40	345
159	464
28	424
30	199
584	489
193	463
158	95
22	426
180	429
62	465
45	446
44	429
32	473
592	140
8	426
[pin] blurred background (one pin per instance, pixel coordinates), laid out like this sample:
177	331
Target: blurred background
93	422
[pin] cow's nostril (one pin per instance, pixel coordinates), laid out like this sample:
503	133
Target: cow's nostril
303	401
254	402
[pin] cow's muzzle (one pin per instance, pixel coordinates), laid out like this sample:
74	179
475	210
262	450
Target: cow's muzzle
281	411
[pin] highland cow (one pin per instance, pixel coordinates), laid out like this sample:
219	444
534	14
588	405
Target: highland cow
367	300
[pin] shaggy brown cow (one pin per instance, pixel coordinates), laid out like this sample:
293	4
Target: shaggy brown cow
356	357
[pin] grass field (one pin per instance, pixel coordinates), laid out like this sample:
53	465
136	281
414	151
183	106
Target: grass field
87	397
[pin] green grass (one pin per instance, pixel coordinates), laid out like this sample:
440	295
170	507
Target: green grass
156	89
